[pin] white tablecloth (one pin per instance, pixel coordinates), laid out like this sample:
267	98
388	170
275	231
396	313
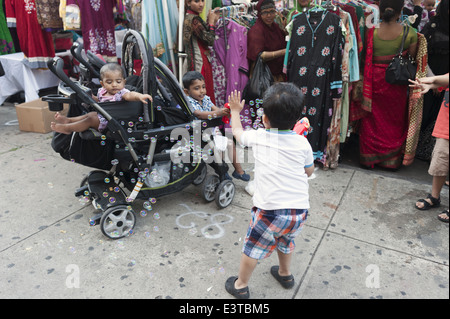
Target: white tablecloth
18	77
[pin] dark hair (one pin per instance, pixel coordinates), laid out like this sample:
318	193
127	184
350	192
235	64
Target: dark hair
190	77
442	16
390	8
111	67
282	104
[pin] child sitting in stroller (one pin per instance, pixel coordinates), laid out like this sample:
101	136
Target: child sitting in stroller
195	89
113	89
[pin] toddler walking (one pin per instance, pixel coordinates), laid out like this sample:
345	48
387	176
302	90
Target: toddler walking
113	89
283	162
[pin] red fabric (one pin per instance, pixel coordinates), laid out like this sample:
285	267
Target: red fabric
361	102
207	73
262	37
383	131
441	129
35	43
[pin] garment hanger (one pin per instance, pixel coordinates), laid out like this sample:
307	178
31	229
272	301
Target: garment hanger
317	6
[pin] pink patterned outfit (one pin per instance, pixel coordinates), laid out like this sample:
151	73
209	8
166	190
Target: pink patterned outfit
102	97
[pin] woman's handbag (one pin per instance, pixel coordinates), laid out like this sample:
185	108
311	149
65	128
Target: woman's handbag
401	69
259	82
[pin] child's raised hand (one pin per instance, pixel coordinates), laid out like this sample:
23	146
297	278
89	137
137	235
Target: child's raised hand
234	101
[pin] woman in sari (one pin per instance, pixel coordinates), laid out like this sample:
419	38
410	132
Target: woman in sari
384	129
198	36
267	37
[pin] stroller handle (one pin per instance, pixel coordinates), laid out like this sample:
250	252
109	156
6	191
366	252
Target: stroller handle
76	50
56	65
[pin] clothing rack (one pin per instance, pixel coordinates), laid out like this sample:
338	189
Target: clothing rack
233	9
181	54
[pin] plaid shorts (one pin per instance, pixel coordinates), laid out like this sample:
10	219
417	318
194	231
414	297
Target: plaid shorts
273	229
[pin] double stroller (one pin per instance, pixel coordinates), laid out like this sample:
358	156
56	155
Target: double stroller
147	151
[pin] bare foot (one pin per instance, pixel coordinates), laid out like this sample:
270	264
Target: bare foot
60	128
61	119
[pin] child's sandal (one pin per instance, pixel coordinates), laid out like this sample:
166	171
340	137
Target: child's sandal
435	202
242	293
286	281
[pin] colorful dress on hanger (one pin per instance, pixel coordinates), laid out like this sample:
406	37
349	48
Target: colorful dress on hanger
313	63
151	27
48	14
97	25
232	55
197	38
35	43
6	41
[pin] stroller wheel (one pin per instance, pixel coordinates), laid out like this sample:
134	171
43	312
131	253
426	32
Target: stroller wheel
117	222
200	178
225	193
209	187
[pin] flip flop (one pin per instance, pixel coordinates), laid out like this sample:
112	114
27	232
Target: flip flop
442	219
242	293
286	281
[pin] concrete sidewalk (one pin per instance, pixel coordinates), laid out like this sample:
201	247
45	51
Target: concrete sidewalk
363	237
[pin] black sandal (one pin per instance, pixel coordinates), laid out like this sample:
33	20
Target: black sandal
442	219
436	202
286	281
242	293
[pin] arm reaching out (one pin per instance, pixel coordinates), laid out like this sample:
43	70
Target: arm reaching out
429	83
236	106
136	96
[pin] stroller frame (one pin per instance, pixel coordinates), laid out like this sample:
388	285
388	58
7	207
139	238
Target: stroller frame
142	146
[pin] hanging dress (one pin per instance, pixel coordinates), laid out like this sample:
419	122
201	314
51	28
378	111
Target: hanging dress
151	28
48	14
6	41
97	25
35	43
314	65
232	55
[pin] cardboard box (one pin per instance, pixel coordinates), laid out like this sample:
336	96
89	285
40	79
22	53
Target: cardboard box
35	116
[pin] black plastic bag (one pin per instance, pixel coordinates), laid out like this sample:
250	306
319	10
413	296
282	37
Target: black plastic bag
260	81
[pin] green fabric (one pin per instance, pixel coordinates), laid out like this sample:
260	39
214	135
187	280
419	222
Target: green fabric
391	47
6	41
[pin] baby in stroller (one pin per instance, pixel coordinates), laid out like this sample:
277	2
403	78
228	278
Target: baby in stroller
113	89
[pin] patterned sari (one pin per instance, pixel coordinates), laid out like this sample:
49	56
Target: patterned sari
384	129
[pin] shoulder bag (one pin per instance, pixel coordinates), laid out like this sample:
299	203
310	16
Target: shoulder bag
401	68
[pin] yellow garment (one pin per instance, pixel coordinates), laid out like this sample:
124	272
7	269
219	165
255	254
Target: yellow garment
415	103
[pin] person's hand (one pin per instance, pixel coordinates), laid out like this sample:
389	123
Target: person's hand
224	112
213	16
424	84
144	97
235	103
417	2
